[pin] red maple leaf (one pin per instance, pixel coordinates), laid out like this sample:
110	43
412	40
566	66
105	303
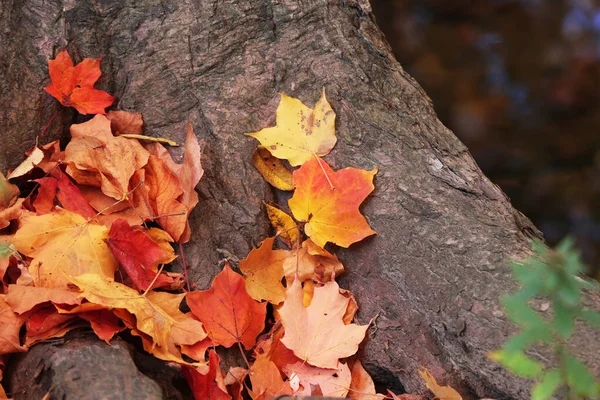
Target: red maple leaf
73	86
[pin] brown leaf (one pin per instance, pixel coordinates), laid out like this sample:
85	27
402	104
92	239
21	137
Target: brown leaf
125	122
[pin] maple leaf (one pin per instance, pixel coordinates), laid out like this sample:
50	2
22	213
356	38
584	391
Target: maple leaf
59	187
440	392
311	262
266	379
35	157
331	214
97	158
300	133
125	122
332	382
286	227
11	213
63	244
73	86
227	311
157	313
317	334
24	298
189	174
104	323
272	169
209	386
10	325
362	386
139	255
263	271
234	381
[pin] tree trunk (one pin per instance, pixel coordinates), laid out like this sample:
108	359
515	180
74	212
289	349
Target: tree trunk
434	273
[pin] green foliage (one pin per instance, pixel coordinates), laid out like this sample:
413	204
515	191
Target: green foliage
554	277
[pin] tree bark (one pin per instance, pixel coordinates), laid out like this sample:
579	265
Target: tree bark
432	276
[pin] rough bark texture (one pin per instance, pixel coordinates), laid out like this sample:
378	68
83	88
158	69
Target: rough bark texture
435	272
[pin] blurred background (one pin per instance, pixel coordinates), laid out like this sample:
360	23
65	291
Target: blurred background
518	81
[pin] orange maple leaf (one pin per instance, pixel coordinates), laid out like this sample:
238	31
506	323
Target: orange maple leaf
331	213
332	382
311	262
263	270
317	333
227	311
73	86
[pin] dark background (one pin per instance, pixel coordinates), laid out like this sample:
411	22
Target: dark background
518	81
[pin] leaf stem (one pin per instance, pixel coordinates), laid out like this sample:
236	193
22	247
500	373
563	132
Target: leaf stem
49	122
243	354
185	272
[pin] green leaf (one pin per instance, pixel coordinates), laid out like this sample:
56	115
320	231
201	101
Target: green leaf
579	378
564	320
547	386
517	363
526	338
519	311
591	317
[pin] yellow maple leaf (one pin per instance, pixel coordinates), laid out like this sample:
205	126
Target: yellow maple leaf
440	392
63	243
301	132
157	313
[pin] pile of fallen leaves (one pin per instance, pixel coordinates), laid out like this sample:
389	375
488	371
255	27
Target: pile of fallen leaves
86	240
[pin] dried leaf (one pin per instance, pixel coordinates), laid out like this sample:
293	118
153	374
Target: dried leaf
331	214
139	255
207	386
10	325
64	244
125	122
362	386
227	311
157	313
28	164
317	334
440	392
24	298
286	227
272	169
263	272
73	86
333	382
301	133
311	262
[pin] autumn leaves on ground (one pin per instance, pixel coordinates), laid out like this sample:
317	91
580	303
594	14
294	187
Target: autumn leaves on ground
86	232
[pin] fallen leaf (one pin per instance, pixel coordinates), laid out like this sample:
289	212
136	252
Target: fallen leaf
11	213
63	244
301	133
331	215
59	187
440	392
10	325
208	386
311	262
284	225
266	380
28	164
157	313
125	122
317	334
227	311
24	298
272	169
263	272
8	193
234	381
94	157
73	86
362	386
139	255
333	382
189	174
104	323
